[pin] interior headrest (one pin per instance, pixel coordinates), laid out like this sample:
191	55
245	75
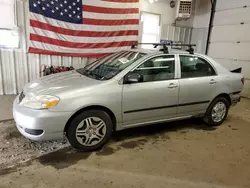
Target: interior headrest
201	66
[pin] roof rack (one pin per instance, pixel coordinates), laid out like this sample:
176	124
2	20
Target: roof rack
165	46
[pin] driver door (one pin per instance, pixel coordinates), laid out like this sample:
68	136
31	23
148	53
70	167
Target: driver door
156	97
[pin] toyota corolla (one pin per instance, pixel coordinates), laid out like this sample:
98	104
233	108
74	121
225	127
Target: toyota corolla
123	90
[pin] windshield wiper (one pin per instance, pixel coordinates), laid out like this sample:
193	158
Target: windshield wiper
92	73
81	71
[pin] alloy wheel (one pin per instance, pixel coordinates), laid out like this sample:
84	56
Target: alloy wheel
219	111
91	131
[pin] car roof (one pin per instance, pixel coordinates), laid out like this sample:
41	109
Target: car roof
155	51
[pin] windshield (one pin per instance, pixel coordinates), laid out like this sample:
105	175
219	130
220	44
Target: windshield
107	67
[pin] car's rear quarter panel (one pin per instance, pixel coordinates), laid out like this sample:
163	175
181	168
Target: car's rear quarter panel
237	84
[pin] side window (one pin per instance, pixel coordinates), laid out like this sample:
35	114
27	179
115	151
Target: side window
157	69
192	67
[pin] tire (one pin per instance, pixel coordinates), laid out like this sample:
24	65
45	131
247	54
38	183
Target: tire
208	119
85	130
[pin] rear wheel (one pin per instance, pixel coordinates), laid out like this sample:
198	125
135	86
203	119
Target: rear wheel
217	112
90	130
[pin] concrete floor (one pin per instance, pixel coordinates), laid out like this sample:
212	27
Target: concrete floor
174	155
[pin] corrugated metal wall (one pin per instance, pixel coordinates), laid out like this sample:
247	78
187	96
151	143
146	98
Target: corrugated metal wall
181	34
17	67
199	37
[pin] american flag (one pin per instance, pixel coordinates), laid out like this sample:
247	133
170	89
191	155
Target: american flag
82	28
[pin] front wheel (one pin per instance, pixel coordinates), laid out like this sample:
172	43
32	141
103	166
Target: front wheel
90	130
217	112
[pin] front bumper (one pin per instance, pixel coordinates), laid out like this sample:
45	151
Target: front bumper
40	125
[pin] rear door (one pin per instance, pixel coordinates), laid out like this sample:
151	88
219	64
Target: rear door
198	81
155	98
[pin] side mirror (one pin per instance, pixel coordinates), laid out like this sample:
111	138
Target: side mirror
132	77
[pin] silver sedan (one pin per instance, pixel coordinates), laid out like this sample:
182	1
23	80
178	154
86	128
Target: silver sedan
123	90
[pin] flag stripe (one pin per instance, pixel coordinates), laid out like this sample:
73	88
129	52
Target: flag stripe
109	16
123	1
104	10
47	52
81	27
108	4
68	44
57	48
71	38
60	30
89	21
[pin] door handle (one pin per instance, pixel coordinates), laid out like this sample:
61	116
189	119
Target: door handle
172	85
212	81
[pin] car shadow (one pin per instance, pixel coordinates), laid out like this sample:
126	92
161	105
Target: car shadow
161	128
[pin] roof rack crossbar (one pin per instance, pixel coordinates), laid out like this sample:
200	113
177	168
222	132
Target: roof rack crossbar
165	46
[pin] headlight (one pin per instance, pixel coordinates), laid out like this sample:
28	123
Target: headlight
40	102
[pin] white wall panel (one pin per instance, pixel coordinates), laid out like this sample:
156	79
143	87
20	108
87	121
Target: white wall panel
232	16
199	37
34	61
231	33
230	51
21	69
230	4
246	89
8	70
1	78
202	14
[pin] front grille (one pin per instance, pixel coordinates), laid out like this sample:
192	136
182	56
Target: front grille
21	96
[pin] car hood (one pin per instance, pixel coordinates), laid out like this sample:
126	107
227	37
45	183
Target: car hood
59	83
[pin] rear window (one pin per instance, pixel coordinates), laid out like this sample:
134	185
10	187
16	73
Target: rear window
193	66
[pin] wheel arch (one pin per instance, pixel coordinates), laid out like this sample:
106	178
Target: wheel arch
93	107
226	96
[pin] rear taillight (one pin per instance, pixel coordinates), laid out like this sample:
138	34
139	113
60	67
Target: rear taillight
243	80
